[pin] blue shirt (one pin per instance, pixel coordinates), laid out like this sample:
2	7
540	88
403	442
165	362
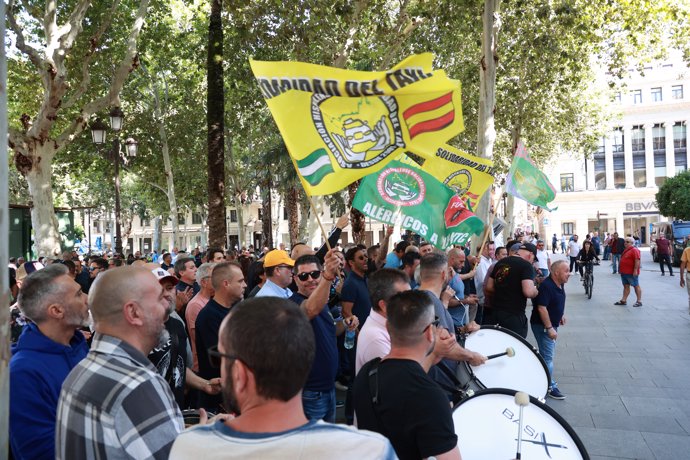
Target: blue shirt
207	326
458	313
552	297
392	261
271	289
325	366
355	290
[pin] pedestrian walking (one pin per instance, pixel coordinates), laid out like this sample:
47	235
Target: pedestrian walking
684	273
629	270
663	253
573	251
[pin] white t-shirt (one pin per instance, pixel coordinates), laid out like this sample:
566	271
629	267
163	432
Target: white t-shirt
573	248
315	440
543	257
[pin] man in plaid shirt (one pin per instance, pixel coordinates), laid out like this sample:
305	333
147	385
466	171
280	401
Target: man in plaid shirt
114	404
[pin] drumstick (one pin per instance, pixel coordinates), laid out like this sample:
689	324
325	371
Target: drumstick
522	400
509	351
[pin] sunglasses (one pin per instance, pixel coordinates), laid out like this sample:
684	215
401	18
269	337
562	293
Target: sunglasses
436	322
215	356
316	274
93	268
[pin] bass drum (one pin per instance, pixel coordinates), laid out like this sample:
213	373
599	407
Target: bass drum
525	371
487	428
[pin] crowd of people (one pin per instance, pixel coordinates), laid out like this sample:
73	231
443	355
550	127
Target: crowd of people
113	357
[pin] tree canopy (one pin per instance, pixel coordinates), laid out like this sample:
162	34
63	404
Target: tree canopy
673	197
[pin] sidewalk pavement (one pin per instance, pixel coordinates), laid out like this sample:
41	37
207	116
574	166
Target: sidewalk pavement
626	370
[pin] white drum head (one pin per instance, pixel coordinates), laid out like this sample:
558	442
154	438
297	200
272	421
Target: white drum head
487	428
526	371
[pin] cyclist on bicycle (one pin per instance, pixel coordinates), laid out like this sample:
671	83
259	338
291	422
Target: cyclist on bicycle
586	256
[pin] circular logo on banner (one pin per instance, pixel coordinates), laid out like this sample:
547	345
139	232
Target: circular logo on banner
401	187
460	181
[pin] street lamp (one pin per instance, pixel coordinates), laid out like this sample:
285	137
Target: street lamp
116	156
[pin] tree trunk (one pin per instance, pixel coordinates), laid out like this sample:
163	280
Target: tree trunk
215	104
292	203
43	220
304	217
267	215
357	221
486	130
510	201
157	235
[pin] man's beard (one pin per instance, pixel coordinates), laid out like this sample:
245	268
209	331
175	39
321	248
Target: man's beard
229	400
76	319
431	348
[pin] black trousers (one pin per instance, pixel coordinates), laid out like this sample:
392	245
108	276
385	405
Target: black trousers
665	259
516	322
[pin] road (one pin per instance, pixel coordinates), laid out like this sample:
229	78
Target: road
625	370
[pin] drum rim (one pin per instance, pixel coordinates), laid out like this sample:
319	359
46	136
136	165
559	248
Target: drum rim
520	339
549	410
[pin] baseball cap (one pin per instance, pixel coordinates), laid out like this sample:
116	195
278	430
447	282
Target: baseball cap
531	248
163	275
27	268
277	257
515	247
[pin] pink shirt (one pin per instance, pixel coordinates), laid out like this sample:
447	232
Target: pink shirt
373	341
193	308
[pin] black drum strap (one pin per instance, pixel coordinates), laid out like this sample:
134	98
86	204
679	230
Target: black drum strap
457	391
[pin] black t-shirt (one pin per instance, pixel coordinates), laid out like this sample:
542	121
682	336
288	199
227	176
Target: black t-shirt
175	349
412	412
508	275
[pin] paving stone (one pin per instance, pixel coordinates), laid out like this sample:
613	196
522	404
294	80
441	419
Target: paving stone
615	443
653	406
634	423
668	446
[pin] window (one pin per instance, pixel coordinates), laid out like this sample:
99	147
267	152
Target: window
233	215
567	182
285	213
617	98
638	156
600	165
656	94
180	218
637	136
677	91
659	144
618	159
108	226
261	214
145	222
680	146
567	228
637	96
196	218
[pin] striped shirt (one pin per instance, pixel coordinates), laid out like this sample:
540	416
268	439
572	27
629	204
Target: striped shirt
115	405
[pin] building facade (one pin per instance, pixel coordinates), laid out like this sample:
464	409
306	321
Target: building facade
615	189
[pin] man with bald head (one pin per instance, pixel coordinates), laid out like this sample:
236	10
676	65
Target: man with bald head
114	404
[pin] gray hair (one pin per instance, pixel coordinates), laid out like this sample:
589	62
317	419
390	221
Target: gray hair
432	264
39	290
556	264
204	271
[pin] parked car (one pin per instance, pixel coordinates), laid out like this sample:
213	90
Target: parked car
677	232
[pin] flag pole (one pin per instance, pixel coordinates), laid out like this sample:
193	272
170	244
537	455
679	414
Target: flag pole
316	214
490	228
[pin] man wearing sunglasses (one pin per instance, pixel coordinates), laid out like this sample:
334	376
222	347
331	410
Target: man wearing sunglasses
266	348
394	395
278	268
313	289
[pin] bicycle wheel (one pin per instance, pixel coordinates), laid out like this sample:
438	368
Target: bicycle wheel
590	284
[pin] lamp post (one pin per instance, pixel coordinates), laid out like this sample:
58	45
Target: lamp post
116	156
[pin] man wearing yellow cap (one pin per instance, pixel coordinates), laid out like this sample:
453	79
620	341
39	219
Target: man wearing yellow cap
278	267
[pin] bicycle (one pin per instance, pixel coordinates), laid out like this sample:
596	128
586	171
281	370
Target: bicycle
588	280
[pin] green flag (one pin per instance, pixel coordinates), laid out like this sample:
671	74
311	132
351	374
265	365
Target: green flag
527	182
402	193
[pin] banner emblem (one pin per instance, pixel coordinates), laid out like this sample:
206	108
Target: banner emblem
401	187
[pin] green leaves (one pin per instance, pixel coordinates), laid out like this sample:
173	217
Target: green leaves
673	198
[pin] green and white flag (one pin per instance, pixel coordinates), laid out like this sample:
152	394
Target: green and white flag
315	166
402	193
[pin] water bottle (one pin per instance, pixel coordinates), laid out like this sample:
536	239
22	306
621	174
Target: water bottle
349	337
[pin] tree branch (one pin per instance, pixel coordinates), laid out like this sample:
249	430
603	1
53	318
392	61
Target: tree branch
31	52
344	53
93	42
129	62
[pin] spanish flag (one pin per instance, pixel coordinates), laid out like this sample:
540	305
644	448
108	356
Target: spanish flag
341	125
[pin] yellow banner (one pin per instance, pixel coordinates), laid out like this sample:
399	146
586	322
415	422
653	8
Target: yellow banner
468	175
340	125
